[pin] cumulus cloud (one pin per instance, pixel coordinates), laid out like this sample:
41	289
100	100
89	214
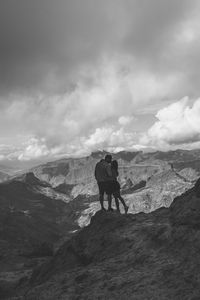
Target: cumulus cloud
65	121
125	120
110	137
177	124
34	149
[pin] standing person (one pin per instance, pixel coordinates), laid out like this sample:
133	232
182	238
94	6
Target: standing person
116	187
103	174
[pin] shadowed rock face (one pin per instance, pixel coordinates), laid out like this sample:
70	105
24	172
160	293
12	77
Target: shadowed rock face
144	256
31	225
27	219
31	180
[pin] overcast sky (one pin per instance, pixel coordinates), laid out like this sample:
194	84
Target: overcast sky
77	76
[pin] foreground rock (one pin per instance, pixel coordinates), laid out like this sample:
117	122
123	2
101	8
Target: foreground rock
144	256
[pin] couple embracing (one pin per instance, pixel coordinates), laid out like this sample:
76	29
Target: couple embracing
106	173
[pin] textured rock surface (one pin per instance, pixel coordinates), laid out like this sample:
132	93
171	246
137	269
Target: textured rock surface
80	172
133	168
144	256
165	174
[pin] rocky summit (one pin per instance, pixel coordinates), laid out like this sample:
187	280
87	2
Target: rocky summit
142	256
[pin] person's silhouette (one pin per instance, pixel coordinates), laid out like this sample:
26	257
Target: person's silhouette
116	187
103	175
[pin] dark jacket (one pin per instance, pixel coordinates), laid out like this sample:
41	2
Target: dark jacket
103	171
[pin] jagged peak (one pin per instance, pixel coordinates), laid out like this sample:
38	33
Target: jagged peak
30	178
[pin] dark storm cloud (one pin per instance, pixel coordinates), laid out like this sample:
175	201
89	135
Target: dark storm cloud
44	42
44	38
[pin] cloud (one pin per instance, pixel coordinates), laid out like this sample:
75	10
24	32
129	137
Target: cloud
109	137
178	124
75	76
125	120
65	121
34	149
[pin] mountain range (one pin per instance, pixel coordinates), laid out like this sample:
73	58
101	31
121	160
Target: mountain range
148	180
46	205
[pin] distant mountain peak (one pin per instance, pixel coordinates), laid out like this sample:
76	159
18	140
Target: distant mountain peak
30	178
99	154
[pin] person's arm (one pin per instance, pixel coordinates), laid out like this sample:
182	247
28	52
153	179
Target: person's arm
115	173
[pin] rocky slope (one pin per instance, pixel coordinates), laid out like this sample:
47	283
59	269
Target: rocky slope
143	256
34	220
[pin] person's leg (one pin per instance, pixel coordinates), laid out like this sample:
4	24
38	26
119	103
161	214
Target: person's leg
101	200
110	202
101	194
123	203
108	190
117	203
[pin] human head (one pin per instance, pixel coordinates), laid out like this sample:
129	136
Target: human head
108	158
114	164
